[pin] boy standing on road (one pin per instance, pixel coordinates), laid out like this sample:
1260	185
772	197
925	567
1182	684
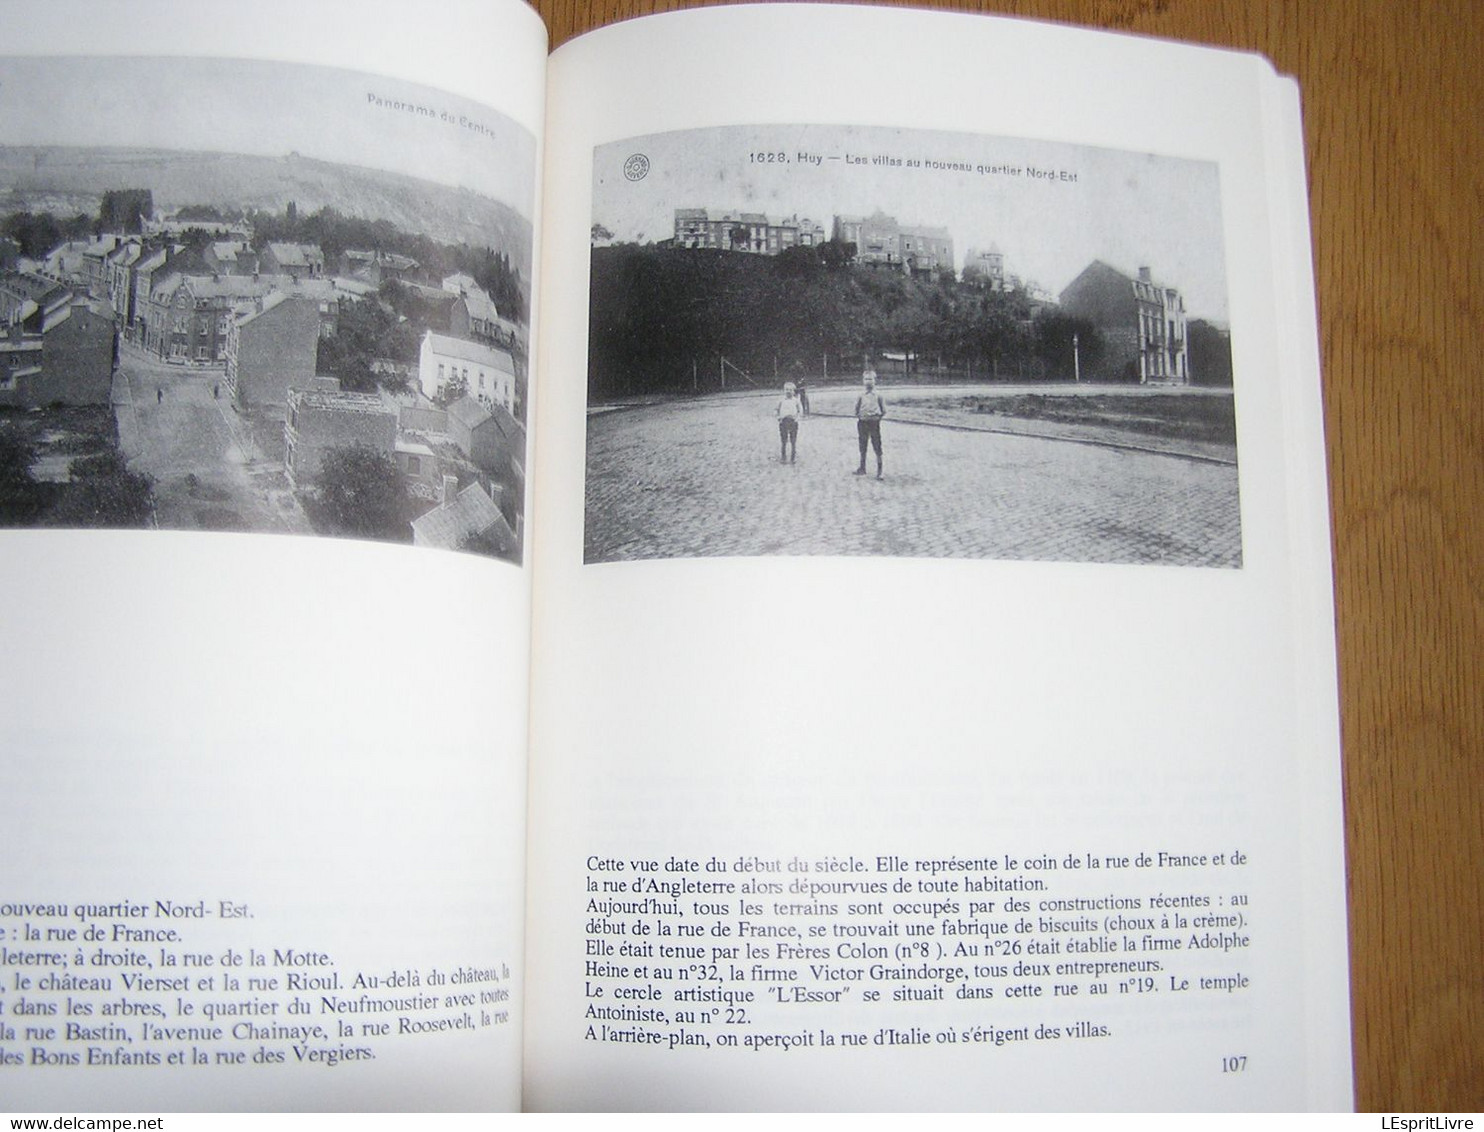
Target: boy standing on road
870	407
788	424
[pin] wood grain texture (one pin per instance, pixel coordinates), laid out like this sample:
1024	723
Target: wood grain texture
1394	115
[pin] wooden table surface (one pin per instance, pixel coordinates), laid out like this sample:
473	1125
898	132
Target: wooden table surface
1393	120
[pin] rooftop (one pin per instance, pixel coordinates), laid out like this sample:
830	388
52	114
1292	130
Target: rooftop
333	401
19	288
471	514
469	351
296	255
468	412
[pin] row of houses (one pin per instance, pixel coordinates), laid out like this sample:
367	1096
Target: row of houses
56	347
189	304
1142	321
467	460
880	240
177	300
274	348
751	232
258	317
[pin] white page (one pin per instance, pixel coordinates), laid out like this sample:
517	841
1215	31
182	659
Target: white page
817	700
304	751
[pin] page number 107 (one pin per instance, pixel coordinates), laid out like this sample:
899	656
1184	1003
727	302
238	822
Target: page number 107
1237	1064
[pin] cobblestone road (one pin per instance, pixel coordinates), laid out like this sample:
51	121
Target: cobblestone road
702	478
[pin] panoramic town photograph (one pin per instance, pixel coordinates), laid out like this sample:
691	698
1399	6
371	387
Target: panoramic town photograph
810	340
229	317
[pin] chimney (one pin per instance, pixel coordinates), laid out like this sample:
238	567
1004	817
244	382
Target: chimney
1144	275
450	490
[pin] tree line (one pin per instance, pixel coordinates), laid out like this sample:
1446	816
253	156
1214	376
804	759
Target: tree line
661	316
37	233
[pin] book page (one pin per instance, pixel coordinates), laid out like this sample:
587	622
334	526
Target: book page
266	277
934	688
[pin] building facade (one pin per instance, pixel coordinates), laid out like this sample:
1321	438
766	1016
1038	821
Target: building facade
1142	323
489	438
56	346
188	317
152	266
375	267
1164	357
482	317
751	232
298	261
881	241
272	351
319	420
119	284
985	267
230	257
487	372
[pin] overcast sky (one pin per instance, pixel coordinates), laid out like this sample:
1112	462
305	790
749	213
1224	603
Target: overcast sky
267	109
1127	209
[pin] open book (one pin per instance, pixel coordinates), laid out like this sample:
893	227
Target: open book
774	558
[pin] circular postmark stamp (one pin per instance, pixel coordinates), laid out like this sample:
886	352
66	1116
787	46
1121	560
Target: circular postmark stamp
636	168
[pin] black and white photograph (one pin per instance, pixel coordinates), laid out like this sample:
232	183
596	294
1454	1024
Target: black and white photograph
852	340
252	296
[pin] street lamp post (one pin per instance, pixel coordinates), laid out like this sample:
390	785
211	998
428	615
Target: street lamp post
1076	361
